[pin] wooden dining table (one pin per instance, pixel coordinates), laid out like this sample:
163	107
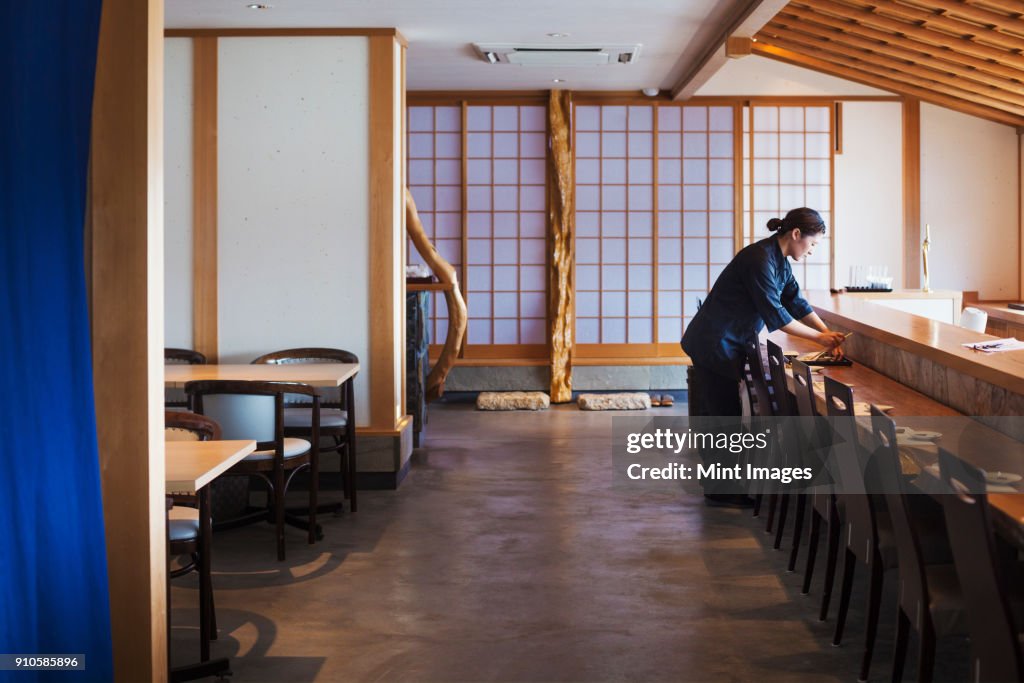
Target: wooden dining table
320	375
189	468
970	440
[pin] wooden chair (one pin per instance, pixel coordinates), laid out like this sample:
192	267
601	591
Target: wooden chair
760	398
183	532
255	410
995	645
868	534
336	414
930	600
823	506
785	406
175	398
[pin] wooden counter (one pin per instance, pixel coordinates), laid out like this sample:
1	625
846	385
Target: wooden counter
938	304
1003	321
928	356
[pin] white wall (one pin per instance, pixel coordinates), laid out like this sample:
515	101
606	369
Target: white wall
969	194
178	193
869	190
293	235
754	75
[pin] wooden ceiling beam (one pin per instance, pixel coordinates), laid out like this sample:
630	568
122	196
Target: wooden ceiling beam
954	26
1000	22
708	52
895	52
1008	6
892	40
906	75
868	18
897	70
851	74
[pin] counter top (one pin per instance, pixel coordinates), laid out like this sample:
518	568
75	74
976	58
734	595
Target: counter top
936	341
999	309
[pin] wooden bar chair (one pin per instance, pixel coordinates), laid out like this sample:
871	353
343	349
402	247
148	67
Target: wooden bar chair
785	407
930	599
762	405
823	505
993	629
868	537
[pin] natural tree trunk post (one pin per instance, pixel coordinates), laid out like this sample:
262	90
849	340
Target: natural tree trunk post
452	295
561	209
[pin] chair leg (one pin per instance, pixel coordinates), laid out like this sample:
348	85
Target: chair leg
899	655
756	510
849	567
926	652
314	486
874	602
798	527
279	509
213	613
773	503
781	528
812	550
831	560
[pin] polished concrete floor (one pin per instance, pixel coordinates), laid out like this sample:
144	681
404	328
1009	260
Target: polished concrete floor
507	555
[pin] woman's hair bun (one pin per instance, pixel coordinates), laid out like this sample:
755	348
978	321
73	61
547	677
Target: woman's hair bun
774	224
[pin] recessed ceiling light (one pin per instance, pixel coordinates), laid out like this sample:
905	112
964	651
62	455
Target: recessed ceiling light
558	35
258	6
558	80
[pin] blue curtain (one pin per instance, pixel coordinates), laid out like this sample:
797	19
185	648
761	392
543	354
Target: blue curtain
53	570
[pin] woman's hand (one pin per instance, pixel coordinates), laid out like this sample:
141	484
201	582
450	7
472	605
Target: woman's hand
832	341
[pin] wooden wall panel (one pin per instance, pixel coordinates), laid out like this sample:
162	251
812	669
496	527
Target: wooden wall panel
126	273
911	194
204	196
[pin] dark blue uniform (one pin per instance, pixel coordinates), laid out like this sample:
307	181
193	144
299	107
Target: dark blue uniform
756	289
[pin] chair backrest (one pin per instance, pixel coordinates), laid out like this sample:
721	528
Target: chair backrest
780	390
249	409
182	426
183	357
762	395
913	593
803	389
314	354
994	647
175	398
850	465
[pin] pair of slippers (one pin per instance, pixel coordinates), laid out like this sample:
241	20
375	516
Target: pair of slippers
662	401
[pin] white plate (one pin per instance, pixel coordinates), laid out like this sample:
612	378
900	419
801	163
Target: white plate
1002	477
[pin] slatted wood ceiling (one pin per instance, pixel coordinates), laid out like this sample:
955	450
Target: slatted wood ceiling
967	55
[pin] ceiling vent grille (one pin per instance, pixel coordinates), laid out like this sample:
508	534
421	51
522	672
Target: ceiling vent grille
562	55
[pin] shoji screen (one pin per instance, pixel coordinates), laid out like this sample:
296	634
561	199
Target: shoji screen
696	209
655	221
614	228
478	174
788	164
435	180
506	201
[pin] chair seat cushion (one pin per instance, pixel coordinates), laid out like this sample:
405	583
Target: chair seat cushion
292	448
303	418
184	530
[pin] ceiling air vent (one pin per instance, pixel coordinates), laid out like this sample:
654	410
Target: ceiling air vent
562	55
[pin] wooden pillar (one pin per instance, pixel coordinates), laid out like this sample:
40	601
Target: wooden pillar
126	278
562	246
911	193
387	233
